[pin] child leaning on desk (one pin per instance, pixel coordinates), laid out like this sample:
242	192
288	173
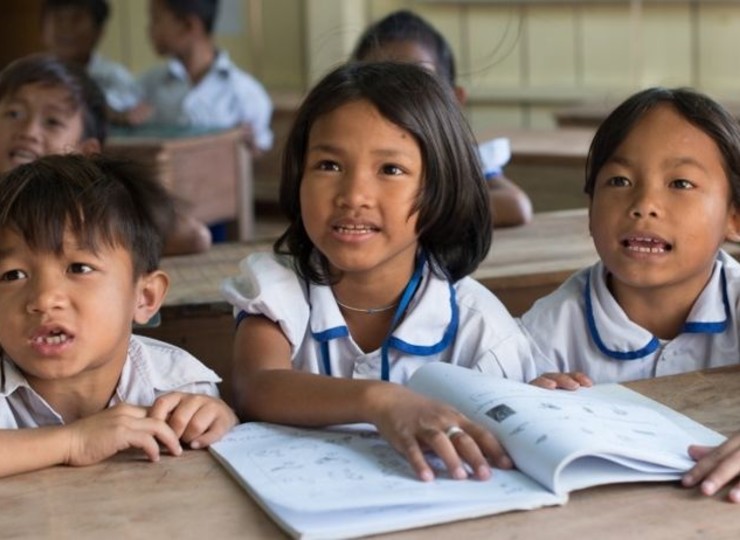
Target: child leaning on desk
50	107
80	240
200	85
663	177
403	36
387	213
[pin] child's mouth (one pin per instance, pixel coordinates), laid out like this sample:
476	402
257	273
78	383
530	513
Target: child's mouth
645	244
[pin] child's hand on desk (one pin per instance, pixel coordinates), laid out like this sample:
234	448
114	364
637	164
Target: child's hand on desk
411	422
102	435
196	419
565	381
715	467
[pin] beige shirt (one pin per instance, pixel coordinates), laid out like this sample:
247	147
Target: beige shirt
152	368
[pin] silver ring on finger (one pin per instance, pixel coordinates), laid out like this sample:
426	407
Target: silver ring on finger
454	431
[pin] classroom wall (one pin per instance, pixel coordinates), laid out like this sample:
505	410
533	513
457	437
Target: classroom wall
519	60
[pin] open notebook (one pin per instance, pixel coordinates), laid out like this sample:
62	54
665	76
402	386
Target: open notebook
347	482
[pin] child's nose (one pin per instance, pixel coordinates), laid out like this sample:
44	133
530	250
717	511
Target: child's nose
29	127
45	294
355	188
645	203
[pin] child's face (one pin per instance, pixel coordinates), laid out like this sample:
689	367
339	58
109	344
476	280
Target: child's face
36	121
66	316
361	178
168	33
70	33
662	206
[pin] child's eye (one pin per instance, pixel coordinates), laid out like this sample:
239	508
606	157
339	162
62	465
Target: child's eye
80	268
392	170
11	113
618	181
682	183
55	122
327	165
12	275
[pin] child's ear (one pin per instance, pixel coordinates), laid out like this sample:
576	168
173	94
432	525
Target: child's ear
150	291
462	95
732	233
90	146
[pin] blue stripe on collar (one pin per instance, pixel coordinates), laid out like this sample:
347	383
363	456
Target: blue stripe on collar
331	333
650	348
442	344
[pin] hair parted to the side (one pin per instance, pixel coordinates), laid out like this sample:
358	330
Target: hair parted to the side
99	10
100	200
697	108
406	26
454	222
84	93
205	10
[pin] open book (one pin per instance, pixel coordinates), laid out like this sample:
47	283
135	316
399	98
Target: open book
346	481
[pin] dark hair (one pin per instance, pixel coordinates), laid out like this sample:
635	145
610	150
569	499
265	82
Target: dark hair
205	10
454	224
102	200
84	93
98	9
404	25
698	109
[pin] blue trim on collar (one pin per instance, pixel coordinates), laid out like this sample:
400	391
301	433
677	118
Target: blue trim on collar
331	333
712	327
441	345
650	348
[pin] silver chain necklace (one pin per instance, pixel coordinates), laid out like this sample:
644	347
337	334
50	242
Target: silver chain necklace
369	311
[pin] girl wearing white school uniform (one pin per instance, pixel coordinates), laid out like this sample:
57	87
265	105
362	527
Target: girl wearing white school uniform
663	176
389	215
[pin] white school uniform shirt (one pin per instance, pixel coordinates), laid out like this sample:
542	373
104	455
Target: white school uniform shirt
581	327
461	323
121	90
152	368
494	154
225	97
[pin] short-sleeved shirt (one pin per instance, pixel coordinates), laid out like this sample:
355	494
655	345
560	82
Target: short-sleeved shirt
225	97
459	323
121	90
494	154
152	368
581	327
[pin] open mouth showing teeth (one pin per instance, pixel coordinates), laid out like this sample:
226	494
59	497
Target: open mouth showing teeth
55	338
23	154
646	245
355	229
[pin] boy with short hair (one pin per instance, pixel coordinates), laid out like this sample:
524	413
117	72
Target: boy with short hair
50	107
200	85
71	31
80	242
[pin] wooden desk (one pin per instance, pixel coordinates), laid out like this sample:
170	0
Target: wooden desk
210	170
192	497
549	165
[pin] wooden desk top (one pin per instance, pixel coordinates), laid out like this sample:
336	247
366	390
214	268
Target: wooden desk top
192	496
553	147
546	251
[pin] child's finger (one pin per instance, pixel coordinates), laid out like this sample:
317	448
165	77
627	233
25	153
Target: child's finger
489	445
544	382
582	379
715	466
443	445
164	405
413	454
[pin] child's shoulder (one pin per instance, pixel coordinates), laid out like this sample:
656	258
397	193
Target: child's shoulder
166	366
568	297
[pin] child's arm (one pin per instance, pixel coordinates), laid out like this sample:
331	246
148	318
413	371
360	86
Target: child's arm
566	381
268	389
509	203
196	419
86	441
715	467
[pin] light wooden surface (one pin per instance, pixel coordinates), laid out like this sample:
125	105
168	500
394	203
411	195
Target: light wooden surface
549	165
590	115
192	497
210	171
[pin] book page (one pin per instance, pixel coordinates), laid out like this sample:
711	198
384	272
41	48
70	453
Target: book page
325	480
545	431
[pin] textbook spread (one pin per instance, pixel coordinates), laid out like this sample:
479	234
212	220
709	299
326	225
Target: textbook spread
346	481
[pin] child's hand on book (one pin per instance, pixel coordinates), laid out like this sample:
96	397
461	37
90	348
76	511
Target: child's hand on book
715	467
196	419
102	435
565	381
412	423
